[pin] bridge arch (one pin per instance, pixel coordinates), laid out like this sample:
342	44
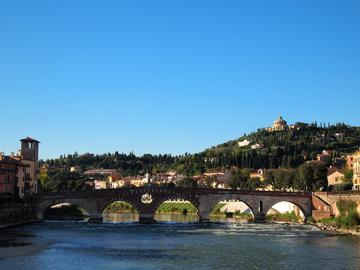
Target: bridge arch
119	211
177	210
119	199
65	211
173	197
209	202
47	204
283	207
233	208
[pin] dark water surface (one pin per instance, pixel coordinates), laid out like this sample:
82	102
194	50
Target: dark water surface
76	245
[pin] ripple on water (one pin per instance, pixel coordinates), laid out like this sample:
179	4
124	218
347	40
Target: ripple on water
78	245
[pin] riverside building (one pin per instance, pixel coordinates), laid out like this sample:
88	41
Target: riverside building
19	173
356	169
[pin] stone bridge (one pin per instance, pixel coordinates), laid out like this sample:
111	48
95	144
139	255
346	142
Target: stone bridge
146	200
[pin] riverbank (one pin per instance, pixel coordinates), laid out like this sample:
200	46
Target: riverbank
19	223
332	228
347	222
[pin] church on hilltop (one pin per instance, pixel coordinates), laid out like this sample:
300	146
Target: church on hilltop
279	125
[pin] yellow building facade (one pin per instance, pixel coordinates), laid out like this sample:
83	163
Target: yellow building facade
356	170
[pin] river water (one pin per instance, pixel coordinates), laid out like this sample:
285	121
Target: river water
60	245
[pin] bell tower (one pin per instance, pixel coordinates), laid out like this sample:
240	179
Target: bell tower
29	159
30	149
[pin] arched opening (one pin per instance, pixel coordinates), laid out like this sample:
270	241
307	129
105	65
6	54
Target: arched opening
234	211
120	211
65	211
177	211
285	212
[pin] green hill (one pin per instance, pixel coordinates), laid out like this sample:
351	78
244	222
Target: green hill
288	148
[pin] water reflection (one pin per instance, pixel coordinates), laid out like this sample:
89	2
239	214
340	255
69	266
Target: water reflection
171	217
120	217
178	218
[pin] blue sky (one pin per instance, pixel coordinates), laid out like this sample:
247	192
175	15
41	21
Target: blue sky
172	76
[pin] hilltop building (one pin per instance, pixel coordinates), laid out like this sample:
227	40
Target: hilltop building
326	156
243	143
257	146
100	172
279	125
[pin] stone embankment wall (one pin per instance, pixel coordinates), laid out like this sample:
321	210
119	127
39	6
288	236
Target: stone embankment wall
16	213
324	203
321	209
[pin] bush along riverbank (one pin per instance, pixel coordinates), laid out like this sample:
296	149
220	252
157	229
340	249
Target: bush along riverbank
289	217
348	221
182	208
120	207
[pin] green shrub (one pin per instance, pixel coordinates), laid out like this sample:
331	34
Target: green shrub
177	207
346	207
284	217
348	217
119	207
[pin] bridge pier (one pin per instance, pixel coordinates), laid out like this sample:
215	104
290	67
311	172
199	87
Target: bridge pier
259	217
146	219
39	215
204	220
95	220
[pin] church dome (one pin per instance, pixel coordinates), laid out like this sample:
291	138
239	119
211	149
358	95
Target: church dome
280	121
279	124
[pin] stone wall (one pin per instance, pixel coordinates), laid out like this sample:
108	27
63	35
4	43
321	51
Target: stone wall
331	198
15	213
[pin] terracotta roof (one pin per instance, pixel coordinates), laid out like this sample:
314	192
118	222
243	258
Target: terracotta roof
333	170
28	139
9	160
